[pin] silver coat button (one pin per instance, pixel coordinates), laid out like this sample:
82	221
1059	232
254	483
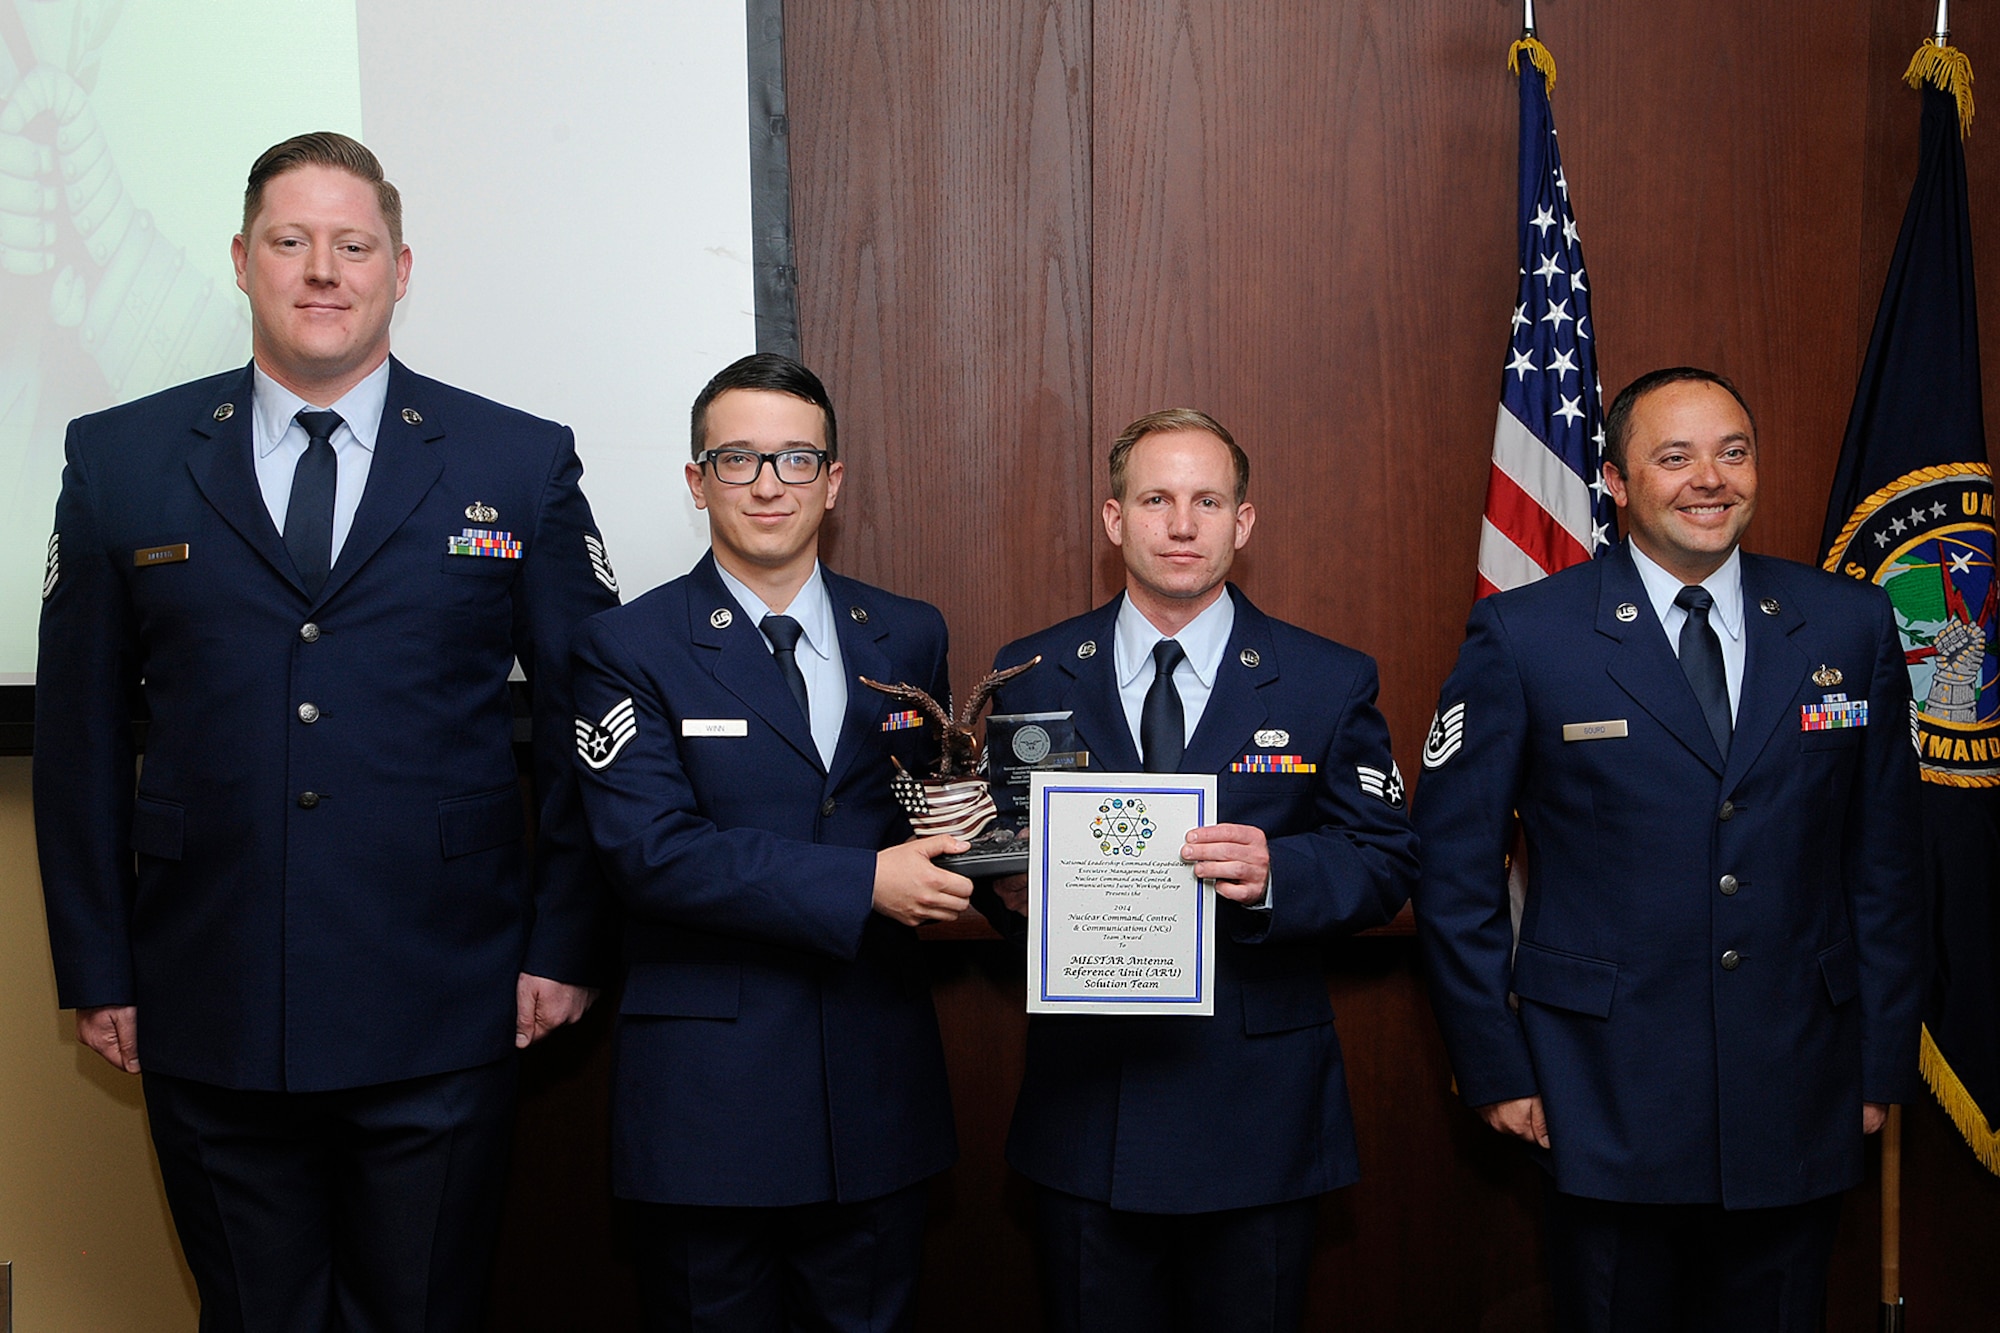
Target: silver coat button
1730	958
826	807
1727	812
308	713
308	799
1728	886
309	632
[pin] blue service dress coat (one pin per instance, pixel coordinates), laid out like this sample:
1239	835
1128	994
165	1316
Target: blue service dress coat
1719	961
320	880
1247	1107
776	1043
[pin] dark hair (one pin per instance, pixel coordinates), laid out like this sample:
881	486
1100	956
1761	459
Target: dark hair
774	374
325	148
1170	419
1618	421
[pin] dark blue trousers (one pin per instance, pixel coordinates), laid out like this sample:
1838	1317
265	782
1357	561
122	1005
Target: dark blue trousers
1688	1268
1239	1271
826	1267
364	1210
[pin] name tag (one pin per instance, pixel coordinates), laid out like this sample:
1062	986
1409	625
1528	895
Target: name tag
715	726
1593	731
159	555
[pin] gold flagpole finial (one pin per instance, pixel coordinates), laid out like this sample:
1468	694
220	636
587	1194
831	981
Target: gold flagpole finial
1531	46
1939	63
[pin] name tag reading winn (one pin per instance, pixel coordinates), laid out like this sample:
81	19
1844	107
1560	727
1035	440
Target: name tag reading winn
715	726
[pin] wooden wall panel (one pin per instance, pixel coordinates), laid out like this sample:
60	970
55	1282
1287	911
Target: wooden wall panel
941	203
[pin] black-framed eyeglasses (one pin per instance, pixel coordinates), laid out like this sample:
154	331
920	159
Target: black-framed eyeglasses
739	467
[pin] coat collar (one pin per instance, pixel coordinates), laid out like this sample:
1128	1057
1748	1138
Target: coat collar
1644	664
407	462
1235	709
742	663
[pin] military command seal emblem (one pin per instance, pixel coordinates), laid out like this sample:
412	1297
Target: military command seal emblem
1926	539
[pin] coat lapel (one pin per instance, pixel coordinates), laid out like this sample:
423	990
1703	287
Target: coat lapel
1773	665
409	458
1092	693
223	469
861	654
1235	708
1644	664
741	660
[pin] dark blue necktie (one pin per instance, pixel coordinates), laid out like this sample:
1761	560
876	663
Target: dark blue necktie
1162	724
783	632
309	515
1701	660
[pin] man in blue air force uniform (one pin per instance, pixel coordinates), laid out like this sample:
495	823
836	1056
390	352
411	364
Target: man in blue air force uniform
1178	1159
318	571
780	1093
1715	995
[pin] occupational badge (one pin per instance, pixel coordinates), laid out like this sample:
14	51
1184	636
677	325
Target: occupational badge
1826	676
481	512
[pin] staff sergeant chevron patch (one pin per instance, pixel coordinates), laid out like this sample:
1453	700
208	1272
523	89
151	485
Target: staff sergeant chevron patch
598	743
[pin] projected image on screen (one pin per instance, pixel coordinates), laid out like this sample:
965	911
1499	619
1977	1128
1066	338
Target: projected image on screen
124	134
576	188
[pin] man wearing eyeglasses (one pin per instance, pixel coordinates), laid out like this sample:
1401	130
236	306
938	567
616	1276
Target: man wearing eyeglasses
780	1093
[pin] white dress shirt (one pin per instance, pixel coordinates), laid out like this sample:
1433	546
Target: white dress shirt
1725	585
280	442
818	652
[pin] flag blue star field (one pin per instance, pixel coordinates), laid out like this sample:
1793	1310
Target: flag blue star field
1546	506
1912	511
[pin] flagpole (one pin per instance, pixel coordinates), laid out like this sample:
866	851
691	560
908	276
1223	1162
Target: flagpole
1940	34
1528	16
1892	1216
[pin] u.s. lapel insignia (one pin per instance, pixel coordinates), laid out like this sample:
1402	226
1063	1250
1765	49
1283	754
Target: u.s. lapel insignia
53	569
1826	676
1248	657
1086	650
413	417
1446	735
600	563
1384	787
1626	613
598	743
226	411
859	614
1769	606
481	512
1273	737
720	617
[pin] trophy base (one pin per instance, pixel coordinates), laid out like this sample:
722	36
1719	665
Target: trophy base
993	854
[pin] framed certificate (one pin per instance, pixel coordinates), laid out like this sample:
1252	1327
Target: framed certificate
1117	922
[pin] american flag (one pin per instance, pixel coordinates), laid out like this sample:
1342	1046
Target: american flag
1546	506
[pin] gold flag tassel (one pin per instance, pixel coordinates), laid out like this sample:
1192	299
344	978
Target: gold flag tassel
1538	56
1983	1138
1944	67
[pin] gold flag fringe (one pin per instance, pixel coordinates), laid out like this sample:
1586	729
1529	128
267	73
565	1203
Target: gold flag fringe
1946	68
1982	1137
1538	56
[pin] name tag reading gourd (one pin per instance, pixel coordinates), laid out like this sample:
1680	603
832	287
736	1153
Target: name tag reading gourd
1593	731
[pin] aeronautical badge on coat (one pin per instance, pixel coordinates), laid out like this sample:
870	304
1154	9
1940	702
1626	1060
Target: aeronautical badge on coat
598	743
